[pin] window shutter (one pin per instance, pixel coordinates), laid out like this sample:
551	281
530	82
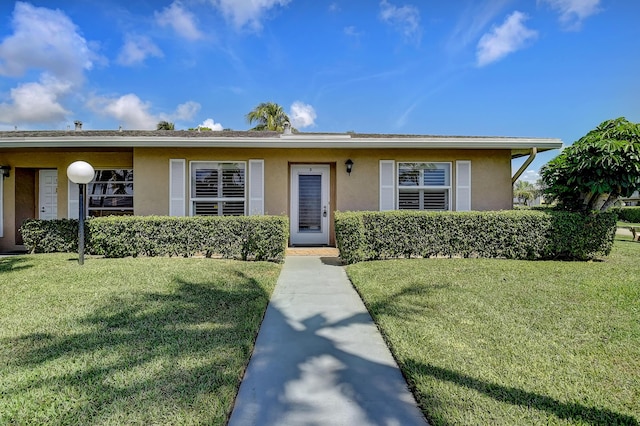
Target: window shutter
177	185
387	185
256	187
463	185
73	195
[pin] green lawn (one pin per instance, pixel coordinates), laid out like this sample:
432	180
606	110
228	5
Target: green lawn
620	224
505	342
126	341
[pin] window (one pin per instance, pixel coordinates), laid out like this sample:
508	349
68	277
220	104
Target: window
424	186
218	188
111	193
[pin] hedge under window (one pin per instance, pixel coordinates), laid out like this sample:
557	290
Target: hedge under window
424	186
111	193
218	188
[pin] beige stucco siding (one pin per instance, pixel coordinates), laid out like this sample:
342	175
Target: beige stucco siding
490	188
47	159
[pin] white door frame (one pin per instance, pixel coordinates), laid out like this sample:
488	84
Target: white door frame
48	194
310	237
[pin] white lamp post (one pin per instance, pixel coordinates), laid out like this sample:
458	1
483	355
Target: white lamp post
82	173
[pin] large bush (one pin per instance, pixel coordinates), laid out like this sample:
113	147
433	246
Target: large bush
598	169
505	234
50	236
244	237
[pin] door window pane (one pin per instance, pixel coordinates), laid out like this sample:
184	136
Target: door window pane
310	203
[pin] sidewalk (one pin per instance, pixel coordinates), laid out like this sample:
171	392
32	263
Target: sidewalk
319	359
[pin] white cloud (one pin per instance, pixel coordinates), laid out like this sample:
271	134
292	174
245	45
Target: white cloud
473	20
511	36
573	12
247	12
181	20
47	40
137	49
129	110
530	176
135	114
36	102
186	111
302	115
405	19
210	124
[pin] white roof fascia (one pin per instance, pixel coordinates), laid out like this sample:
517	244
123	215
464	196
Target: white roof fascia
322	141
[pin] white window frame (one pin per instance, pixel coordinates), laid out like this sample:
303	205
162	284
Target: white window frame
192	199
425	188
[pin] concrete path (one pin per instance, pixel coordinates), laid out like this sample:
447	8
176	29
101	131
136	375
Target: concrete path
319	358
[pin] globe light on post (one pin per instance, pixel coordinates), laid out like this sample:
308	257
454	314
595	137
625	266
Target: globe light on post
82	173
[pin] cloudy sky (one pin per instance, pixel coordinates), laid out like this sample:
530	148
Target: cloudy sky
544	68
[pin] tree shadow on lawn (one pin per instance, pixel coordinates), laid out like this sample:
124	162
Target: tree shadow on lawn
13	263
564	410
146	357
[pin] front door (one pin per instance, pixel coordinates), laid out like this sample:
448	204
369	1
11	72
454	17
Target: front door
310	209
48	189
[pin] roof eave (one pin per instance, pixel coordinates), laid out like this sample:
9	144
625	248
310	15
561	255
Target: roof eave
514	144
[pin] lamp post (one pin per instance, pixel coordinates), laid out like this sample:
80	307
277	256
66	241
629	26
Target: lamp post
82	173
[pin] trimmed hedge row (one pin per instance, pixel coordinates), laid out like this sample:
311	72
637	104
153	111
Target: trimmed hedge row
629	214
237	237
50	236
505	234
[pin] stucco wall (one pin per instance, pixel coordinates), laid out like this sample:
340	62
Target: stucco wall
491	175
46	159
490	170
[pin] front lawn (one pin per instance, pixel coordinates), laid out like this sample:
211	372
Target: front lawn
126	341
504	342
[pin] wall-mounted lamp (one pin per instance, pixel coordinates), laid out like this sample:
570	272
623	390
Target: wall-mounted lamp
349	165
4	171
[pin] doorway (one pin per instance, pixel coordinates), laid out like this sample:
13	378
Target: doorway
48	194
310	204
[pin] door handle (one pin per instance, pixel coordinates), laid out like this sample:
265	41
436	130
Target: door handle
42	210
324	212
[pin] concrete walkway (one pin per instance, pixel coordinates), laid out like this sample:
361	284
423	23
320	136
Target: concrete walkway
319	358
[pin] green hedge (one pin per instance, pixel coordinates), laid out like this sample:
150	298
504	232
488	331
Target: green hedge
239	237
50	236
629	214
505	234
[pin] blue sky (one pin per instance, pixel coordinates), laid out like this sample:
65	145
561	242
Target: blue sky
539	68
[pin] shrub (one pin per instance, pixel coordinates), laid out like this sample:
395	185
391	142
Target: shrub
244	237
629	214
522	234
50	236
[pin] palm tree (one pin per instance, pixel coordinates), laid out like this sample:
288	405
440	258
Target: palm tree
165	125
525	192
268	116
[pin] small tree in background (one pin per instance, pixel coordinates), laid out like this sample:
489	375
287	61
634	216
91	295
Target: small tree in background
268	116
525	192
598	169
165	125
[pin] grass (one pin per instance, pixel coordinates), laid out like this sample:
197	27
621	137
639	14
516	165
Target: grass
621	224
126	341
485	341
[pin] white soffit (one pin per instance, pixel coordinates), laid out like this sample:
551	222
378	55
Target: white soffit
293	141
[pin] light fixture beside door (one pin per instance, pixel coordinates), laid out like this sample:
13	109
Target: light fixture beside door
349	164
